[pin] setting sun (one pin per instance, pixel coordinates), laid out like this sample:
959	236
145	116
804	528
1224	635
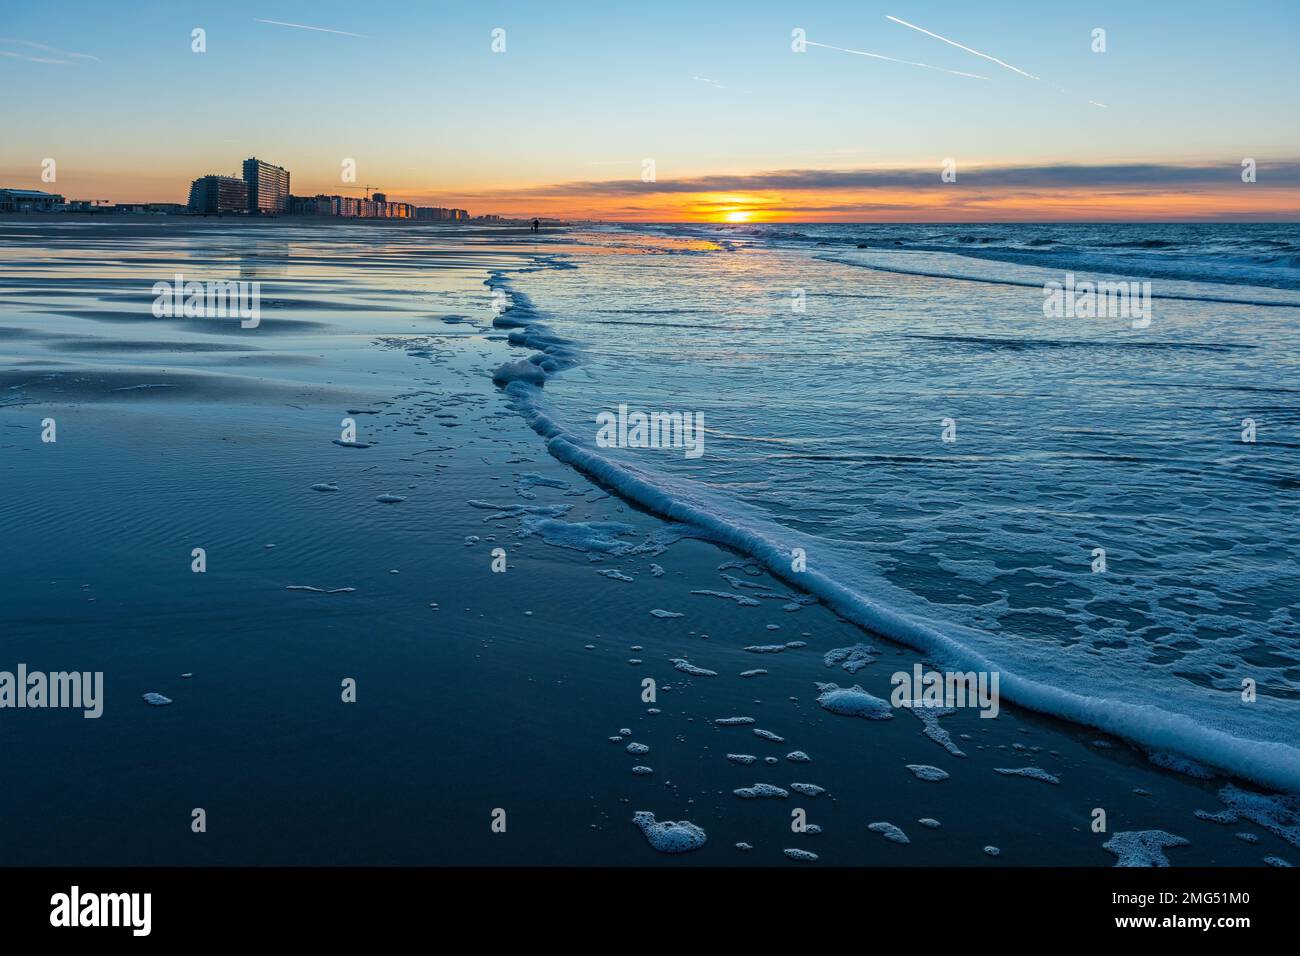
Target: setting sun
739	215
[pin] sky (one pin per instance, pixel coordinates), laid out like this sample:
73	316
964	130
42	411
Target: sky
672	110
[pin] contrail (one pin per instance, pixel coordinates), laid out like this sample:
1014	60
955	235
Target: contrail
913	26
56	50
33	59
303	26
877	56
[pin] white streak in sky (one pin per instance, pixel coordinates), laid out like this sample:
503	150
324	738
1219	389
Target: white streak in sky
55	50
877	56
33	59
45	49
913	26
303	26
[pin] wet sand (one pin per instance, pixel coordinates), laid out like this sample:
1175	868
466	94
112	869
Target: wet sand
476	691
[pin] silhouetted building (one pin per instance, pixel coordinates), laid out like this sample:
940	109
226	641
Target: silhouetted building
216	195
268	187
29	200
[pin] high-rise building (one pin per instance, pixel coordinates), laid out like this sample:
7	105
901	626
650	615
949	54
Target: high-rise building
214	195
268	187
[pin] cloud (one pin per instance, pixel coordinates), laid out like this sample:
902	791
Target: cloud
1057	176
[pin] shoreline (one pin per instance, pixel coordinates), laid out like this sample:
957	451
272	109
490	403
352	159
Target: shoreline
506	693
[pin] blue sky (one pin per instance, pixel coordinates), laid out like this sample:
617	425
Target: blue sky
585	91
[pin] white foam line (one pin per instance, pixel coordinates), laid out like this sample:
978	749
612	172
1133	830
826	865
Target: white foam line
913	26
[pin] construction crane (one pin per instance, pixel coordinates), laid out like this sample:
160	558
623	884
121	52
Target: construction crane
366	187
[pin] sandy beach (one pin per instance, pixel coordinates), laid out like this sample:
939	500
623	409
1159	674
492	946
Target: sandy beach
368	555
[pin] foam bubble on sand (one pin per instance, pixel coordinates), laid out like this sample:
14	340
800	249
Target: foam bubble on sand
390	499
156	700
661	613
765	648
745	759
889	832
308	587
656	571
529	480
1223	816
929	716
635	748
754	673
852	659
1142	847
1248	837
813	828
740	599
794	645
992	851
808	789
686	667
325	486
744	847
642	771
670	836
1276	861
774	627
1033	773
625	732
733	721
852	702
1279	815
351	444
616	575
591	537
930	822
924	771
803	856
798	756
768	735
760	791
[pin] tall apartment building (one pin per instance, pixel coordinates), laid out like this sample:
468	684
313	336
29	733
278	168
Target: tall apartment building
268	187
214	195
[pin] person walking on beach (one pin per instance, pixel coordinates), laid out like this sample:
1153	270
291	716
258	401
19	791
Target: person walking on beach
537	224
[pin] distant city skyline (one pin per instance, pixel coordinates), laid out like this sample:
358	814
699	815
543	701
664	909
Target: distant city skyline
676	112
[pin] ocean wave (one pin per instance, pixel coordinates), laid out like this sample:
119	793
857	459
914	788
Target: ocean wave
1175	724
1032	284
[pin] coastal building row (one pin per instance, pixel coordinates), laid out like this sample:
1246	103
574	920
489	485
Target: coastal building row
263	189
379	207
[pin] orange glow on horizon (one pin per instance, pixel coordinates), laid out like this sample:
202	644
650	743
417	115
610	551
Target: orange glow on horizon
616	201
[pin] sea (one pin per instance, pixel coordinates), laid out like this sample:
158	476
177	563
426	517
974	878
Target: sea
1100	507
